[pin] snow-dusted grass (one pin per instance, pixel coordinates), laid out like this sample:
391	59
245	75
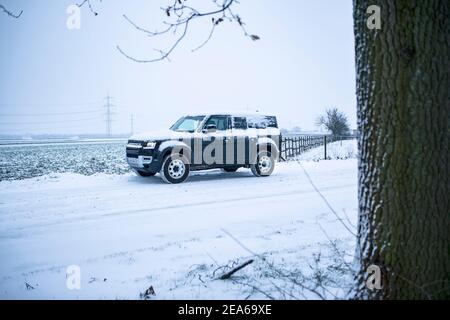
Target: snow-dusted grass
344	149
128	233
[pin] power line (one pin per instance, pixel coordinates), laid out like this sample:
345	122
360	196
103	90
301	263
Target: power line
95	112
47	128
46	114
49	104
48	122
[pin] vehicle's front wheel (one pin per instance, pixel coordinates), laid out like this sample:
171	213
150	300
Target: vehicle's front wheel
175	169
265	164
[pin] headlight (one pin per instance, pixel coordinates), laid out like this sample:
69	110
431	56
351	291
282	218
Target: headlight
150	145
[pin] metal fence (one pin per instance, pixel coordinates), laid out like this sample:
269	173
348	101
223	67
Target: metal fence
292	146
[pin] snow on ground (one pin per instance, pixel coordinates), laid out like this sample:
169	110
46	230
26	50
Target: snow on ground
344	149
128	233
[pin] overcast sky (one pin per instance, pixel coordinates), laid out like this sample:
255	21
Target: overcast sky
303	64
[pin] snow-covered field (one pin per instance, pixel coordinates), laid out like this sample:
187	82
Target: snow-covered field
22	161
127	233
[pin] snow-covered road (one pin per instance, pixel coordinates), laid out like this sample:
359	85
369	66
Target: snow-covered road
127	233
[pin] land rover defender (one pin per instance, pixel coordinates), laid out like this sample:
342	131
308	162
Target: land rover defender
207	141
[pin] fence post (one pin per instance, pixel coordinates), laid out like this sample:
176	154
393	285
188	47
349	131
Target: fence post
325	147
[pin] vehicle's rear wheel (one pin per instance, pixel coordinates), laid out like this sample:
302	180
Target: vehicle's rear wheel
265	164
145	173
175	169
230	169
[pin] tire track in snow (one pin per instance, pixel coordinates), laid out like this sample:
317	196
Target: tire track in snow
152	210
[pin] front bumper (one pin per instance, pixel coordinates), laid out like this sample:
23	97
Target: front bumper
142	159
140	162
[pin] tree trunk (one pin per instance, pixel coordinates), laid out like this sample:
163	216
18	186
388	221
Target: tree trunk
403	93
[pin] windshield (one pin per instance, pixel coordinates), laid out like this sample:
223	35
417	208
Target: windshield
187	124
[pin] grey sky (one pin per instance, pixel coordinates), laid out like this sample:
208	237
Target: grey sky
303	64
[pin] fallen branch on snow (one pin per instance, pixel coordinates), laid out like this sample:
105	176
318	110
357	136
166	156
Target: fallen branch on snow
228	274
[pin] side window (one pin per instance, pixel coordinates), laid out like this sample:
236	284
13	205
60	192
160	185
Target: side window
221	122
256	122
271	122
240	123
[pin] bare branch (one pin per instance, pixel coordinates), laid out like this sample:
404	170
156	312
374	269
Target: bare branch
281	273
149	33
89	5
9	13
228	274
255	288
180	15
325	200
241	23
164	55
207	39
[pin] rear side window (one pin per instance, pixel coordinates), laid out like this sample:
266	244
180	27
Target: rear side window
239	123
262	122
271	121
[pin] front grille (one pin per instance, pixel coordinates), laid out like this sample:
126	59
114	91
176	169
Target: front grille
132	153
136	142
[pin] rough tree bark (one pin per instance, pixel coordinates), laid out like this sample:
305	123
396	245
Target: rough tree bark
403	93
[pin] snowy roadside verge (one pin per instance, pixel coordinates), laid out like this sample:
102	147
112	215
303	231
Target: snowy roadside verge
128	233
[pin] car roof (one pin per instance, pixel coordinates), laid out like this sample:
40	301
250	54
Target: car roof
233	114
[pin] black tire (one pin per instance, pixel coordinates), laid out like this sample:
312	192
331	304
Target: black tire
145	173
265	164
230	169
175	169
